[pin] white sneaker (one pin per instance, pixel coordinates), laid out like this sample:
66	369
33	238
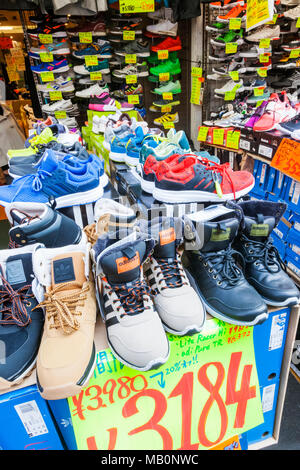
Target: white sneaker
70	122
264	32
163	27
68	139
82	70
230	86
289	2
255	51
92	90
60	84
61	105
293	13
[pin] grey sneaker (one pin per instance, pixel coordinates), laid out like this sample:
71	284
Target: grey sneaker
139	47
141	70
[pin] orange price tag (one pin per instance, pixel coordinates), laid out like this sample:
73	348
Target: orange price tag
287	158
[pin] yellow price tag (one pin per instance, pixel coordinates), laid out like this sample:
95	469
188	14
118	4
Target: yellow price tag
298	23
202	134
162	55
262	72
133	99
91	60
55	95
231	48
294	54
233	139
264	43
136	6
259	91
196	71
45	38
46	57
130	58
166	109
258	103
47	76
60	114
218	136
128	35
167	96
263	58
235	76
168	125
85	38
96	76
163	77
131	79
235	23
229	95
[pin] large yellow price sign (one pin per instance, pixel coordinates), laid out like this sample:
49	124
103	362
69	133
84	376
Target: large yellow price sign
136	6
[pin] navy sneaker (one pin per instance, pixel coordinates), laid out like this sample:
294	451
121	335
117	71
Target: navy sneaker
68	186
101	51
264	269
39	223
21	325
289	127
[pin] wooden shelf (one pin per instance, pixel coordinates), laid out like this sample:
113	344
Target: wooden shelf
239	151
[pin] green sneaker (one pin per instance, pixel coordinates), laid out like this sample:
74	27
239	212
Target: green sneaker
216	27
230	36
43	138
168	66
170	87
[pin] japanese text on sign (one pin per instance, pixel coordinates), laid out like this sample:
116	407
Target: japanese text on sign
287	158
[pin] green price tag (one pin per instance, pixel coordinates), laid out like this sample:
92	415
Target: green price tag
46	57
294	54
218	136
96	76
233	139
163	77
91	60
47	77
128	35
130	58
196	71
263	58
264	43
46	38
258	91
166	109
235	23
85	38
262	72
131	79
136	6
167	96
202	134
298	23
133	99
229	95
235	76
162	55
168	125
55	95
231	47
60	114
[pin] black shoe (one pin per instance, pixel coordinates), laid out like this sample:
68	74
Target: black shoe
219	281
264	269
20	325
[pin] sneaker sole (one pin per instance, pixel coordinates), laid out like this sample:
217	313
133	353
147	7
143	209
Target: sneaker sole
117	157
173	197
60	70
59	34
138	74
6	384
57	52
239	42
138	54
94	34
287	303
85	72
170	49
120	33
172	103
147	186
226	7
99	56
131	161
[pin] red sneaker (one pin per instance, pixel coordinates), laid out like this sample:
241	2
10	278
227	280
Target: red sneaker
168	44
278	110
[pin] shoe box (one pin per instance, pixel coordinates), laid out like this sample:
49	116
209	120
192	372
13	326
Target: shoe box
96	146
86	136
26	422
249	140
268	144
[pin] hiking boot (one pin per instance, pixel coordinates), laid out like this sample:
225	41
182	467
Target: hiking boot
264	269
220	283
67	352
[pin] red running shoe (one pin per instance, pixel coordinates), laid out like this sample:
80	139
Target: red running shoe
168	44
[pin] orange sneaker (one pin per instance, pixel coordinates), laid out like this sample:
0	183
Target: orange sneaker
239	11
225	4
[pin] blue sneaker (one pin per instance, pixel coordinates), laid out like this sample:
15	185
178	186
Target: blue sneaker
161	152
118	148
179	138
100	51
134	146
58	66
92	160
53	179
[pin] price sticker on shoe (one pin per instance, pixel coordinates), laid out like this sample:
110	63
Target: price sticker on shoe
162	55
294	54
259	91
136	6
164	77
263	58
46	57
130	58
166	109
233	139
60	114
298	23
235	76
264	43
229	95
55	95
262	71
202	133
91	60
85	38
231	48
218	136
169	125
128	35
167	96
235	23
131	79
206	393
47	77
96	76
133	99
45	38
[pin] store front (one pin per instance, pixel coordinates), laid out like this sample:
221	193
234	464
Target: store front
149	198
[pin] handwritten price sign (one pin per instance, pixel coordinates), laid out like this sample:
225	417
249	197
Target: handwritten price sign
206	393
287	158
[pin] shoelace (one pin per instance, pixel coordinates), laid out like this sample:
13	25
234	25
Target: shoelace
37	181
222	170
173	273
13	304
263	252
223	264
60	309
131	298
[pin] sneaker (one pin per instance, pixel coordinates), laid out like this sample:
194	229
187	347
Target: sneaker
21	323
97	28
61	105
134	331
255	99
160	103
139	47
200	182
59	66
239	11
39	223
163	27
103	67
166	118
264	32
231	85
141	70
109	216
216	27
229	36
170	87
118	148
289	127
169	284
67	354
226	4
94	50
235	65
168	66
56	31
254	83
256	115
168	44
134	90
60	48
293	13
35	142
133	26
104	102
80	186
92	91
61	84
254	51
277	110
219	281
264	268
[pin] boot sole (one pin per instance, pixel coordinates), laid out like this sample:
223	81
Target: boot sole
6	384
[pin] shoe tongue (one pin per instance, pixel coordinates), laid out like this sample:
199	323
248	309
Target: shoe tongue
122	265
49	162
68	268
19	270
166	247
259	227
219	235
